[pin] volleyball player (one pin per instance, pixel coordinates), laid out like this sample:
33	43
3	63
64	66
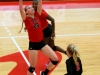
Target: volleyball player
32	20
73	63
48	29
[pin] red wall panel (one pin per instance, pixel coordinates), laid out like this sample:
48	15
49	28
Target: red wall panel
75	0
55	0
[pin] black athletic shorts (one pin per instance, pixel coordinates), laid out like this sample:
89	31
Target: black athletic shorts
47	31
36	45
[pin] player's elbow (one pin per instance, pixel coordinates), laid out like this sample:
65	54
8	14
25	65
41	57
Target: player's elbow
52	20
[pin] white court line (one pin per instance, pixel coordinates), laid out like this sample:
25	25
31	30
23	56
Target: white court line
21	52
16	45
6	28
96	34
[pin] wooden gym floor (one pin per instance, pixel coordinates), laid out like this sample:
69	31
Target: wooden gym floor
73	26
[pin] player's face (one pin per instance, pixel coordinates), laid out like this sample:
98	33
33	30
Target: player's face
29	10
68	49
67	52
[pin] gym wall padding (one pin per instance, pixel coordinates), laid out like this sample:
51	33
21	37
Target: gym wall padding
77	1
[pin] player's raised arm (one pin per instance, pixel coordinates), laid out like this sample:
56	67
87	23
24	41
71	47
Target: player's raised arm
39	7
22	12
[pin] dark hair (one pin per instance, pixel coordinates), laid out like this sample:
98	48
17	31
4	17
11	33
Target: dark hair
22	22
35	0
21	28
25	8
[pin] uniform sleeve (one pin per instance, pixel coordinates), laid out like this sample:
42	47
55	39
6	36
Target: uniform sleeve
44	14
69	68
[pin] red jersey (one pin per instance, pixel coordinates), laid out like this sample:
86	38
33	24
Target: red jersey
43	19
34	28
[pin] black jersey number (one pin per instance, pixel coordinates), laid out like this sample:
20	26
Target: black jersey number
36	25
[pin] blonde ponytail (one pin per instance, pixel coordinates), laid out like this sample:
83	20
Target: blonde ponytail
73	50
75	57
75	54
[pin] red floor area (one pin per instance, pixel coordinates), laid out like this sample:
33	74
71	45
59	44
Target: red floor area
62	5
21	67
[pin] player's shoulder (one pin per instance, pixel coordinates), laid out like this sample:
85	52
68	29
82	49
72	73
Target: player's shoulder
69	60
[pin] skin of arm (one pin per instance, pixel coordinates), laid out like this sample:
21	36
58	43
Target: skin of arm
22	12
52	23
39	7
